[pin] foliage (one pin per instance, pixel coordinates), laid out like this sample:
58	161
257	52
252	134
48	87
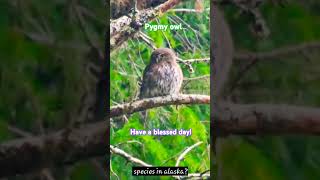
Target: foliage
43	71
127	65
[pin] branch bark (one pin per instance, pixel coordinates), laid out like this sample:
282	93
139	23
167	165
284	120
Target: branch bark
148	103
125	27
122	7
60	148
70	145
255	119
129	157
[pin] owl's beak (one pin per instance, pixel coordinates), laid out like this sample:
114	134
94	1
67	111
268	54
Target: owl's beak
157	59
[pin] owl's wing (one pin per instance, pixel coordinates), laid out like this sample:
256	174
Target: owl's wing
149	80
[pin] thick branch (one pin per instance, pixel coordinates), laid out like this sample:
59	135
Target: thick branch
64	147
124	27
266	119
70	145
149	103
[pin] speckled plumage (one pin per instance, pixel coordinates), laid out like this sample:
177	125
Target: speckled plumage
163	75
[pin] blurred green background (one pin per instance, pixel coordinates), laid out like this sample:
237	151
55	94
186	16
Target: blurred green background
48	50
127	65
292	80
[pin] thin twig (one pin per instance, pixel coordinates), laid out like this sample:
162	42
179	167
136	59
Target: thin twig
18	131
145	38
201	60
184	153
88	35
241	74
197	78
197	176
183	10
111	169
137	161
129	157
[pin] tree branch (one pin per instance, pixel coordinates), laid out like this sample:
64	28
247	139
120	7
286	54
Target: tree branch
185	152
70	145
204	60
197	78
124	27
197	176
137	161
265	119
63	147
130	158
122	7
149	103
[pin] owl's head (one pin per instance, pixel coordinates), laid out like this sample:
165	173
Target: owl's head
163	54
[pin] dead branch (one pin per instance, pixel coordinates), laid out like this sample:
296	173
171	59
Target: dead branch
122	7
185	152
184	10
145	38
187	63
241	74
204	60
124	27
259	26
148	103
197	176
130	158
137	161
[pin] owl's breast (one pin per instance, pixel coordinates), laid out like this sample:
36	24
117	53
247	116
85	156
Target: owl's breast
162	79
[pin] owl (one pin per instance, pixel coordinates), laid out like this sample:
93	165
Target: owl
162	76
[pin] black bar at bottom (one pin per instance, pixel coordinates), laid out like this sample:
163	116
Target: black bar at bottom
159	171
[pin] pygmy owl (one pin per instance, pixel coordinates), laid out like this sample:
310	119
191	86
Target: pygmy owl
163	75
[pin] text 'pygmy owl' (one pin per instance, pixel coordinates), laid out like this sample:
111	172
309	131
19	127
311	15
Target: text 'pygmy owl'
163	75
